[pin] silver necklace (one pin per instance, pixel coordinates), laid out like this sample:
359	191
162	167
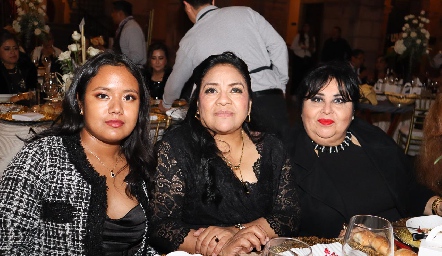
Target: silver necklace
334	149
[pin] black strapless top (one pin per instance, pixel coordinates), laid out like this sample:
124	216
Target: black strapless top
123	236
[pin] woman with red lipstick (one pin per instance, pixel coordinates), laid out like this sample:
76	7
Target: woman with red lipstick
80	187
220	187
345	166
17	72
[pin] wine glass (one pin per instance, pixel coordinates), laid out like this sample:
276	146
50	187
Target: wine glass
286	246
46	60
368	235
35	61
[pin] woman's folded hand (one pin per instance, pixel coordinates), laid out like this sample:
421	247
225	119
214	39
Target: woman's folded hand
245	240
211	240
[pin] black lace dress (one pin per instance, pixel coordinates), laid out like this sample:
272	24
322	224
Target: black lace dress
177	206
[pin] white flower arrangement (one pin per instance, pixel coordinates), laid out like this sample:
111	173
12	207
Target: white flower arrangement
414	42
30	20
70	59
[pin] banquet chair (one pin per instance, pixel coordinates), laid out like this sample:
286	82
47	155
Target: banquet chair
410	135
158	127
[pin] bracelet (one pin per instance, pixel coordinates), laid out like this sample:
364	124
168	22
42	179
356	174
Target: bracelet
435	204
241	226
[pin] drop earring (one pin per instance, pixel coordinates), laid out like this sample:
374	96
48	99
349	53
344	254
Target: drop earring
197	115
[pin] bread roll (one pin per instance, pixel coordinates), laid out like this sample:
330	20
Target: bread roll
369	239
404	252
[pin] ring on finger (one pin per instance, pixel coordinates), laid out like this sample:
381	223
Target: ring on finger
216	239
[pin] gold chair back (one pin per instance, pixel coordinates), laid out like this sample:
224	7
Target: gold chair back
412	134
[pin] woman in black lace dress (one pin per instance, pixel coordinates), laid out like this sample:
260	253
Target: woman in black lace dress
221	188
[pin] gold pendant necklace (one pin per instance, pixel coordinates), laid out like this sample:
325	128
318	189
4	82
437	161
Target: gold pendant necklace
112	174
238	167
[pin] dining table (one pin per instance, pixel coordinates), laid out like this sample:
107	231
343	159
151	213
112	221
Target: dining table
385	114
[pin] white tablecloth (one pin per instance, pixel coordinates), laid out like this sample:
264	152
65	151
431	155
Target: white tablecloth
10	144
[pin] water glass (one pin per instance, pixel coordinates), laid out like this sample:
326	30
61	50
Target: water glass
286	246
368	235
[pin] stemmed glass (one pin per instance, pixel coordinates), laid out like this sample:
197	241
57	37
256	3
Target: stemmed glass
286	246
35	61
46	61
368	235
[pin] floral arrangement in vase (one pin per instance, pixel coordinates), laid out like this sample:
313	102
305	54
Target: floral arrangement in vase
414	42
70	59
30	21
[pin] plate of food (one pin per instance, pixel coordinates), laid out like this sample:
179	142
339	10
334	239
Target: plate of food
5	97
405	229
19	113
423	224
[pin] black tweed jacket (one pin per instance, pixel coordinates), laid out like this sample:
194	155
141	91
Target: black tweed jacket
52	201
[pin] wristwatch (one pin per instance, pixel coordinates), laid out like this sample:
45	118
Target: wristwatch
240	226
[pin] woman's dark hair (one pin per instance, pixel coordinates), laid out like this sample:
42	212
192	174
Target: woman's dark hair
342	72
5	35
137	146
202	144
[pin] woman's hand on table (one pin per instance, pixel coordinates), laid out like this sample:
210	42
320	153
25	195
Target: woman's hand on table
227	241
211	240
245	241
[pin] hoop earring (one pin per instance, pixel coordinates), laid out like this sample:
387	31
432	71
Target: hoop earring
81	111
248	118
197	115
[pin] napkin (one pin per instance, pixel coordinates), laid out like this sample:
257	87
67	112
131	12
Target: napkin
368	93
27	116
333	249
176	113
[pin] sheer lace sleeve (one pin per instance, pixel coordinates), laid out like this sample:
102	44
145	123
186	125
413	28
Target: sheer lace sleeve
167	231
285	216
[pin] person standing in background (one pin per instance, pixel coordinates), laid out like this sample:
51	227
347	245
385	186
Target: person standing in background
356	61
246	33
336	47
303	46
129	38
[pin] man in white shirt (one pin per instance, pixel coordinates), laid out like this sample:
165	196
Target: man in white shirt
246	33
129	38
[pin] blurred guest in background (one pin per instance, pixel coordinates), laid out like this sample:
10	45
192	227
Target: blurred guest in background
217	182
303	46
356	61
343	165
158	71
47	54
79	188
246	33
17	72
336	47
381	66
129	38
47	49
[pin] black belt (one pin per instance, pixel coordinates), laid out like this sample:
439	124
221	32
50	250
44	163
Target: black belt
268	92
256	70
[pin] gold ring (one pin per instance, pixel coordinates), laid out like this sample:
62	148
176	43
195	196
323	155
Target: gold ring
216	239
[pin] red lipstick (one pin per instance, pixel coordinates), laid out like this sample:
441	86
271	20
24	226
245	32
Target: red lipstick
324	121
115	123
